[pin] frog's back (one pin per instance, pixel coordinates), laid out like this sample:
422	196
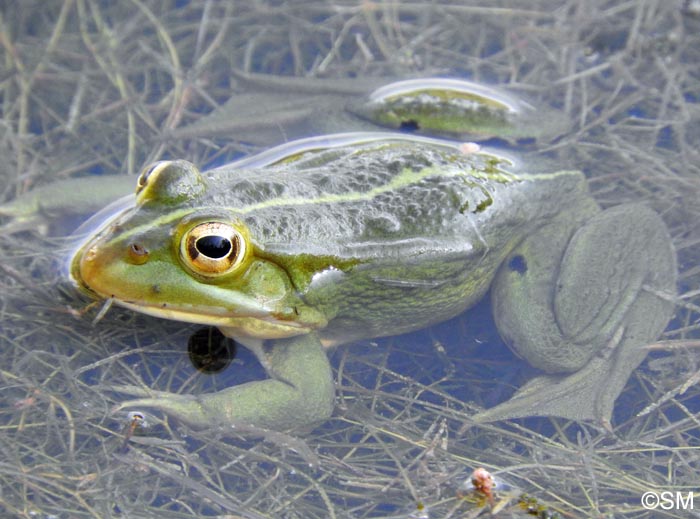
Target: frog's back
392	236
378	201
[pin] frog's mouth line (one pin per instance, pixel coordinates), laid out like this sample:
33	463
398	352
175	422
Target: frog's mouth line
201	316
263	326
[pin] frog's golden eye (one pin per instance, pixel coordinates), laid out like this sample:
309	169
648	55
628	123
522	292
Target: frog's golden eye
213	248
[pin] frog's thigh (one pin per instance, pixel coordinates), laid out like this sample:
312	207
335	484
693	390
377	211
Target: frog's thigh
564	304
299	391
606	265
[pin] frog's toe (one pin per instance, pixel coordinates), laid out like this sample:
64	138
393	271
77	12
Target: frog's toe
186	408
588	394
138	391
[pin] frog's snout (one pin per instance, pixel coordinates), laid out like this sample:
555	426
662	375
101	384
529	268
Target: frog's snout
82	264
87	266
89	255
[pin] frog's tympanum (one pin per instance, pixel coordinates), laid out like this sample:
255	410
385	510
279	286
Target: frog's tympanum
328	241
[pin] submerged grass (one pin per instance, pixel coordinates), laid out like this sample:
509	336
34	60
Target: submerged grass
88	87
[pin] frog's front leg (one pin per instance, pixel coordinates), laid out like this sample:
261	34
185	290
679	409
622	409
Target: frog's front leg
583	300
299	391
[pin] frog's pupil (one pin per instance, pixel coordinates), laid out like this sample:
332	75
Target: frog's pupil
214	246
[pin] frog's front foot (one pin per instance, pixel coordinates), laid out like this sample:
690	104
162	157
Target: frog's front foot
299	392
578	303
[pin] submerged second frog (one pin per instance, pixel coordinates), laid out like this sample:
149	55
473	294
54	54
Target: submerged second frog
367	235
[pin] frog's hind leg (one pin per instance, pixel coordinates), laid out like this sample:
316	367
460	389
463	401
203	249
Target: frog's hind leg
584	303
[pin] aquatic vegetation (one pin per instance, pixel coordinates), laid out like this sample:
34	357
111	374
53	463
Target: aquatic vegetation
91	88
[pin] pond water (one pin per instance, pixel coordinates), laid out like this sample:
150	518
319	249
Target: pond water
94	89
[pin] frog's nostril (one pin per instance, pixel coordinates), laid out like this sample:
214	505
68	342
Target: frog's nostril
137	254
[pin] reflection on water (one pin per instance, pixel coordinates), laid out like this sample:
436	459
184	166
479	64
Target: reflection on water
95	89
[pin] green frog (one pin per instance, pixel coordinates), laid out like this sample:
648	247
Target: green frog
327	241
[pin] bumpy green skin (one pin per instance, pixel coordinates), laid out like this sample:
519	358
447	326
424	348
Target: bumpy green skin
383	237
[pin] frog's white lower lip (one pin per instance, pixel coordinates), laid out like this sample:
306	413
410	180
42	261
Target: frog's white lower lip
211	317
201	315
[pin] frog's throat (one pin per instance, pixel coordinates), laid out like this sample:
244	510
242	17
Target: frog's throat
262	327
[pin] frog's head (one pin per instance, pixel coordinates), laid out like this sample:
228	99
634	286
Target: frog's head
175	255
